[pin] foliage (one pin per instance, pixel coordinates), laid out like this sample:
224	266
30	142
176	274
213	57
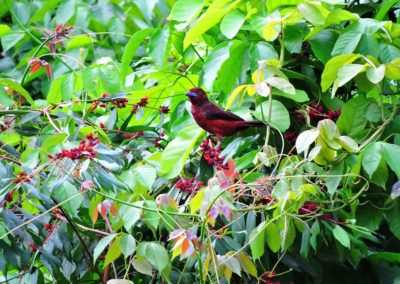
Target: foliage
104	174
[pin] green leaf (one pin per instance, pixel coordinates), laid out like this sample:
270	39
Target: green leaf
178	150
348	144
17	88
186	10
154	253
369	45
322	44
231	24
159	46
371	157
65	11
390	257
315	230
80	41
214	62
375	75
311	14
10	40
384	8
113	252
247	264
130	215
215	12
30	158
346	43
67	86
341	235
261	51
305	139
338	16
392	216
101	245
145	175
5	99
332	183
52	140
152	218
288	233
66	191
392	154
4	30
256	239
196	201
352	120
227	80
55	94
281	84
127	245
130	50
279	115
110	79
331	68
300	96
39	15
348	72
273	237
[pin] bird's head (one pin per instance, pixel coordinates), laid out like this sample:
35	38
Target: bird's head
197	96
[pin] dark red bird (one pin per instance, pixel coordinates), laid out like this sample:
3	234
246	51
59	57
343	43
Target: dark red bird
214	119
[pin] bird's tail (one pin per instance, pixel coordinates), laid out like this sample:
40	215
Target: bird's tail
255	123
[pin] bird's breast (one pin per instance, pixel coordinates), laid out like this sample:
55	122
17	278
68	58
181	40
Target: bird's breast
201	119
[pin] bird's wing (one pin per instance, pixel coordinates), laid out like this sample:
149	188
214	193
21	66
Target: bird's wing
213	112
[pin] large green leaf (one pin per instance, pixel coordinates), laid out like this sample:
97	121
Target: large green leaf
17	88
279	114
331	68
341	235
371	157
392	154
217	10
177	151
231	24
101	245
154	253
214	62
256	239
352	119
130	50
159	46
273	237
186	10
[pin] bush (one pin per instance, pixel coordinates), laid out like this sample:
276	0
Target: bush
105	175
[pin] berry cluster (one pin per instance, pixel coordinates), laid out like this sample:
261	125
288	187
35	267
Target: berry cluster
317	113
143	102
5	126
311	208
270	275
164	109
120	103
188	185
211	154
85	150
21	178
291	136
183	69
135	135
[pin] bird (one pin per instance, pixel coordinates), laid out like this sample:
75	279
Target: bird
214	119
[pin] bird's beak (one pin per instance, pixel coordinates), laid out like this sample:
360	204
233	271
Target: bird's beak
191	94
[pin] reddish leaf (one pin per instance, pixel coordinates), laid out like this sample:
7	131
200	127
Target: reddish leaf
35	66
95	215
